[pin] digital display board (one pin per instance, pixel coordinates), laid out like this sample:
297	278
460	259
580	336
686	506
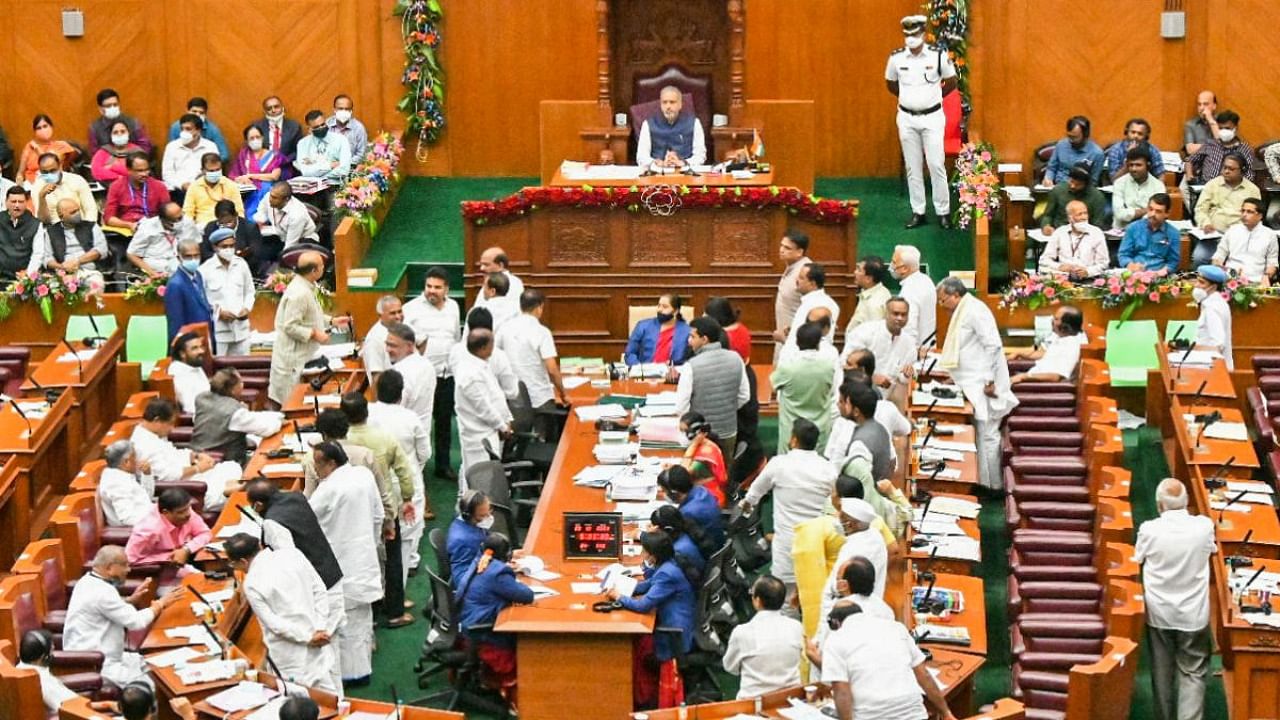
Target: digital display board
592	536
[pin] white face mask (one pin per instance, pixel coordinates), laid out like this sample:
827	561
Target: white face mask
914	41
1079	226
343	116
111	113
120	140
226	253
185	136
486	523
1199	294
255	144
1226	134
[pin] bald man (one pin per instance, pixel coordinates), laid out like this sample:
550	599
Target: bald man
300	327
671	138
494	260
73	244
1204	126
153	249
1079	248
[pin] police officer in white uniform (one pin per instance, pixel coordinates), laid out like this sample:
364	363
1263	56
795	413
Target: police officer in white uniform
919	75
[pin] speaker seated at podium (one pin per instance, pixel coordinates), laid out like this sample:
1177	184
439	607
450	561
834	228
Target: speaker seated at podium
671	135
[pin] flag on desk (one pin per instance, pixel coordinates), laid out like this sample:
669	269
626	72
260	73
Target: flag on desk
757	144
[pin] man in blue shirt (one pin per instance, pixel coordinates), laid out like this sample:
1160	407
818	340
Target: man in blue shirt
1072	150
200	107
1152	245
322	156
1137	134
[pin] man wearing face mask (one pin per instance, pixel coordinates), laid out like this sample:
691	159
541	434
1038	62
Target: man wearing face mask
1219	205
919	75
154	246
208	190
18	231
248	240
199	107
1152	244
100	128
1078	187
98	618
321	156
1071	151
1213	326
184	298
1206	163
181	165
228	285
342	123
660	339
281	134
53	186
1078	248
72	244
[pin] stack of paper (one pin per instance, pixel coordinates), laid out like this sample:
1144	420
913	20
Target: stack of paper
800	710
534	567
212	671
646	371
270	711
243	696
931	454
616	454
951	445
1172	161
592	413
174	658
1227	431
338	350
70	357
573	381
661	433
924	399
954	547
282	469
247	526
613	437
581	365
638	511
596	475
617	576
309	440
958	507
195	634
935	525
633	484
1018	193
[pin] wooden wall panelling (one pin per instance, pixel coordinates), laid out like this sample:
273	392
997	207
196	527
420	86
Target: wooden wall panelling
646	36
788	134
560	122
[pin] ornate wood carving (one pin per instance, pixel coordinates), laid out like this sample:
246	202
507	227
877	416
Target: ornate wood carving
579	240
740	240
705	36
662	241
602	57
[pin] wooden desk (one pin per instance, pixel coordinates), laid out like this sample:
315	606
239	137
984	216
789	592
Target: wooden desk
259	460
301	399
1179	380
1259	522
671	177
92	385
228	623
952	414
1249	654
973	617
968	466
137	402
36	471
1211	453
920	556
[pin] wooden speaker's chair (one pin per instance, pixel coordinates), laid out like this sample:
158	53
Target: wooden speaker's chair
695	88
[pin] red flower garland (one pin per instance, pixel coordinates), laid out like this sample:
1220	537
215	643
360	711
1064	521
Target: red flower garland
807	206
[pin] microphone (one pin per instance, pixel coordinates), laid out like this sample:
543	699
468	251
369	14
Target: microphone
929	368
924	515
1177	378
1240	559
1230	502
923	604
222	648
275	670
1195	399
51	395
928	340
97	339
302	444
929	435
318	382
351	328
1218	478
395	698
18	408
315	401
79	365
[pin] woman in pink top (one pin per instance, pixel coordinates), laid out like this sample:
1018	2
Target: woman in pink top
109	161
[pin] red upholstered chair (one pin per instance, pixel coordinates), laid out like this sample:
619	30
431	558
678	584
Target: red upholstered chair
22	608
19	689
44	559
955	134
696	90
292	254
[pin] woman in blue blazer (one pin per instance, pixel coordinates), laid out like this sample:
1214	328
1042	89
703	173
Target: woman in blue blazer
662	338
490	586
667	591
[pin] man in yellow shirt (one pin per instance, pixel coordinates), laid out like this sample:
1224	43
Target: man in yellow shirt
1218	207
208	189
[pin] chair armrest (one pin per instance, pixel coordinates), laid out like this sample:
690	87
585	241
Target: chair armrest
521	484
78	659
480	627
517	465
556	411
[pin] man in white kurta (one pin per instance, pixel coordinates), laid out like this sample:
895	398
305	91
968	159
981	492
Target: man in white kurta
1213	326
299	617
98	618
403	424
300	328
861	540
169	463
186	367
1249	247
532	350
917	289
812	280
124	493
349	509
801	482
892	342
373	351
418	372
437	323
228	284
1059	355
974	356
483	414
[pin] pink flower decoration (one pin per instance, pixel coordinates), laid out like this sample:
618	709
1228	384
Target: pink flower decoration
1050	292
1154	297
160	290
42	290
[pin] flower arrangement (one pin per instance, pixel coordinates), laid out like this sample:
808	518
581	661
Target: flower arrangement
147	287
273	288
948	22
1126	288
46	288
371	180
804	205
977	182
423	101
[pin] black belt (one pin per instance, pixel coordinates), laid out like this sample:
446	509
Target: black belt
926	111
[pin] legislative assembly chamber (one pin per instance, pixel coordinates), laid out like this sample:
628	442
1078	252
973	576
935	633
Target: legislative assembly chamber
639	359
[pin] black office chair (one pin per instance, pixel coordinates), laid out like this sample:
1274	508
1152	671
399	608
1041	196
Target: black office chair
736	582
511	512
441	654
699	666
439	539
745	531
536	432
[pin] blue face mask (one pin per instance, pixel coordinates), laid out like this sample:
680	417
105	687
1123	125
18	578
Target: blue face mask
214	177
51	178
191	265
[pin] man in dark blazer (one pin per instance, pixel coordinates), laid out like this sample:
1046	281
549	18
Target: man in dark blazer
279	132
184	298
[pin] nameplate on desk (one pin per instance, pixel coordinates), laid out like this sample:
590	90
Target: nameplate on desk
592	536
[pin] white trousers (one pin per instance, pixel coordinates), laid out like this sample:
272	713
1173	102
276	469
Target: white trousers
128	669
411	533
355	640
473	452
921	138
228	347
987	438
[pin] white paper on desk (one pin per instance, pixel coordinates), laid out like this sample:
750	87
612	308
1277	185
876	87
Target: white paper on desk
744	716
800	710
958	507
585	588
338	350
1265	581
638	511
573	381
177	656
1181	225
935	525
1249	486
1202	234
930	454
1261	619
245	526
1237	506
196	634
1201	358
218	596
1227	431
1018	193
534	567
596	475
947	473
659	410
954	547
211	671
951	445
243	696
542	591
937	677
616	454
592	413
275	469
309	440
70	357
327	399
924	399
270	711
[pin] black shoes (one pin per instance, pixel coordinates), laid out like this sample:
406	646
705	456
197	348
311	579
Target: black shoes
945	223
917	221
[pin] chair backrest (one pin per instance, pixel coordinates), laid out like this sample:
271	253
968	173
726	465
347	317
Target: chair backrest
1104	689
202	329
443	612
696	90
953	133
21	607
80	327
147	341
439	539
289	259
521	407
636	313
75	523
19	688
44	559
490	477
